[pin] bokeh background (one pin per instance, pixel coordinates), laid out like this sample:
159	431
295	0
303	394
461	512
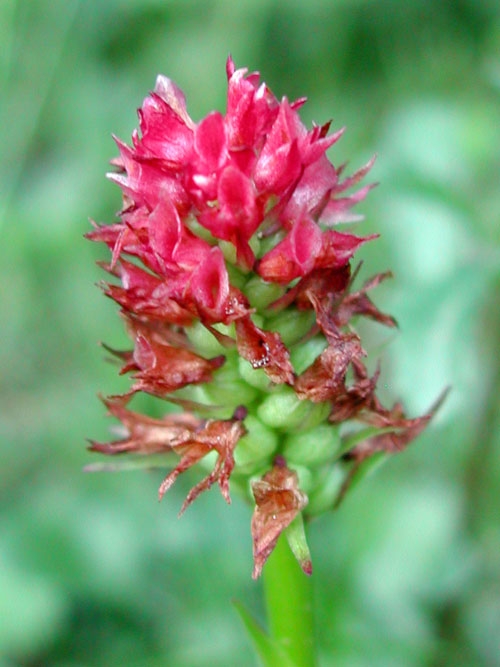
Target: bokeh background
93	571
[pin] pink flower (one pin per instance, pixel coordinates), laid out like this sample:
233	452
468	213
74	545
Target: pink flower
236	291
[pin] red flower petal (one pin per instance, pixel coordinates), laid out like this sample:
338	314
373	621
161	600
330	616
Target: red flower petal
337	249
174	97
314	186
337	210
209	287
251	109
146	295
237	216
146	180
176	248
210	142
295	256
165	134
355	398
405	430
237	202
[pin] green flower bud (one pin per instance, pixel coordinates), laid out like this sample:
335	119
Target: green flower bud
199	230
256	447
284	411
254	244
291	324
227	387
236	276
229	251
256	377
261	294
313	447
325	493
306	477
205	403
204	342
304	355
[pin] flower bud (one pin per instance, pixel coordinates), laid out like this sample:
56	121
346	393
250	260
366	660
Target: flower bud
302	356
255	377
204	341
256	447
261	293
304	475
327	488
282	410
291	324
312	447
227	387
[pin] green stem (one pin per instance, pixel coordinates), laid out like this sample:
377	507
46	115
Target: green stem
288	593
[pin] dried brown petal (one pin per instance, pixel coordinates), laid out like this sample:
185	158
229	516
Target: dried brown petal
145	435
319	282
185	435
359	303
405	430
356	397
216	435
325	379
264	349
278	501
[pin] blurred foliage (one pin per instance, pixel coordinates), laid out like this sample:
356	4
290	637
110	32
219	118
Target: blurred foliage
93	572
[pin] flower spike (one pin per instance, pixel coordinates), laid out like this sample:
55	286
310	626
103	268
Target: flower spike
236	289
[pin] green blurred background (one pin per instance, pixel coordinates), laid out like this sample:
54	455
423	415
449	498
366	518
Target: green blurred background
93	571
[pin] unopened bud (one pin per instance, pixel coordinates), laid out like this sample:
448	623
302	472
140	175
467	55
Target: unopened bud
313	447
291	324
262	294
302	356
256	447
284	411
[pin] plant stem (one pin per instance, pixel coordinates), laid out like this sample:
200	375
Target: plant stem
288	593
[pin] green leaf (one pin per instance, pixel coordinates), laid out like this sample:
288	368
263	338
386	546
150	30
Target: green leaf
269	651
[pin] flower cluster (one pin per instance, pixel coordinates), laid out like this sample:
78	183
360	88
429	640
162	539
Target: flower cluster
235	286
